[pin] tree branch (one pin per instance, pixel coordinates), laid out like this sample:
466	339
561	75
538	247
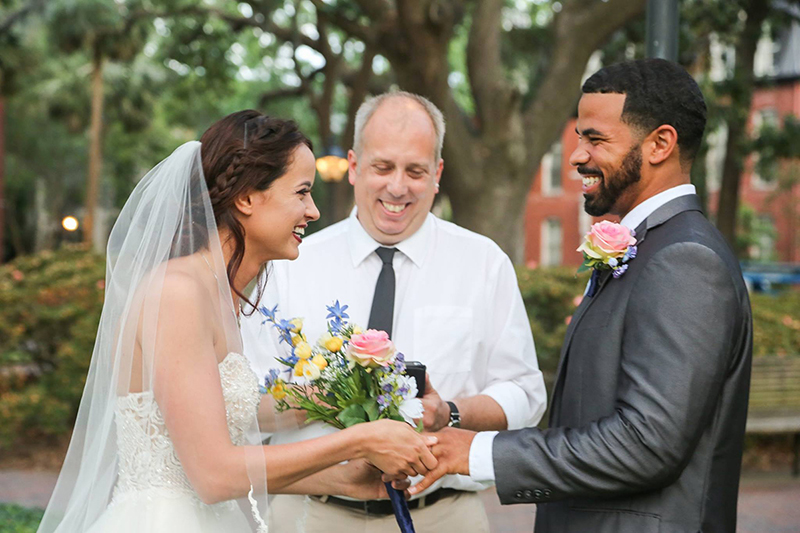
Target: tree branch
580	29
20	14
347	25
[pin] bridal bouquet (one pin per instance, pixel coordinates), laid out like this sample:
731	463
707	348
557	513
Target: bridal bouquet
347	377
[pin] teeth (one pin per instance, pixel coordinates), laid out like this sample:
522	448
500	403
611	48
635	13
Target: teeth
589	181
299	231
394	208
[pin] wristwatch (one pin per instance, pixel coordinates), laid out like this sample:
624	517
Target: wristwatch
455	416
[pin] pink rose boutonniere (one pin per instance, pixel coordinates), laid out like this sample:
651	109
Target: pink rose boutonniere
608	246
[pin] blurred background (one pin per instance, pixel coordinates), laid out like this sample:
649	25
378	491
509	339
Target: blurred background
93	93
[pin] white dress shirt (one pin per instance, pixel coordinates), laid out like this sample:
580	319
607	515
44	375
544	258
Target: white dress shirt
458	310
481	464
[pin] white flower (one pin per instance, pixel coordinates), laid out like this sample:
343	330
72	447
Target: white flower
311	371
411	409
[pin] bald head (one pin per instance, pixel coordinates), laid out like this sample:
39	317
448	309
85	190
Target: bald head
402	107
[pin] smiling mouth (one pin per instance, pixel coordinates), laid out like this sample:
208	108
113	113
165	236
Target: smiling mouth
590	183
393	208
299	232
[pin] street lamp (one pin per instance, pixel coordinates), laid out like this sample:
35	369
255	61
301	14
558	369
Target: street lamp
332	168
70	223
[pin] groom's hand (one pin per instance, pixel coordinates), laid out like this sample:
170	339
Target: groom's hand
362	481
437	412
452	452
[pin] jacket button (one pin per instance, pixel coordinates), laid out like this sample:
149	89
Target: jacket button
547	493
537	493
528	495
518	495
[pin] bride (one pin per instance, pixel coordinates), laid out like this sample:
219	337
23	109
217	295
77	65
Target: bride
168	434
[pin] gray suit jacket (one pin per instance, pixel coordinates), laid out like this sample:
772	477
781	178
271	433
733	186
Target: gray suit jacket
648	411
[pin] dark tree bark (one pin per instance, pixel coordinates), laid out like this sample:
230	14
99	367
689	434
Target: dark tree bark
2	176
741	99
95	148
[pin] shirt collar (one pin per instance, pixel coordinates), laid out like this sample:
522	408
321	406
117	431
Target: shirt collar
638	214
362	244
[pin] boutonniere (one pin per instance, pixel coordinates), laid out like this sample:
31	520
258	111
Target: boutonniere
608	246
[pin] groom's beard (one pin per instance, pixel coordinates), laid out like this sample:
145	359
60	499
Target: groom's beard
611	187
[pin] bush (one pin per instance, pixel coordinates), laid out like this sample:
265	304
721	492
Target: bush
16	519
50	306
49	310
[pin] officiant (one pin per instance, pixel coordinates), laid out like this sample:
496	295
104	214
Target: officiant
448	297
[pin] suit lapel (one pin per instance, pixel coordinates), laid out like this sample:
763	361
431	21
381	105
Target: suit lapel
659	216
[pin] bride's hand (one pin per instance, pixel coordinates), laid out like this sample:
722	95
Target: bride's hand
362	481
396	448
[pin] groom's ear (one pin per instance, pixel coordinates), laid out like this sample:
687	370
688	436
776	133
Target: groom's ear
661	144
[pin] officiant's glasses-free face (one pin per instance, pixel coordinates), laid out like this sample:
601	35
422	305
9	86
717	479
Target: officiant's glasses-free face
395	175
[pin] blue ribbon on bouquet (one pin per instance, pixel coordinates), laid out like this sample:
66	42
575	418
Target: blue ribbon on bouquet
400	506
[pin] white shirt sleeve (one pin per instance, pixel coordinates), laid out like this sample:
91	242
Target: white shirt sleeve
481	463
513	379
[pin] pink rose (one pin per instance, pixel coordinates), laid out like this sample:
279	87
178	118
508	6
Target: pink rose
611	238
371	349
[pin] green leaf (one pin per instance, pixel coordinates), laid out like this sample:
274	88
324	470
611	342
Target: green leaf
371	408
352	415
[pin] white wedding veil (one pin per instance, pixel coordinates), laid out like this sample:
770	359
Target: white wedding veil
166	273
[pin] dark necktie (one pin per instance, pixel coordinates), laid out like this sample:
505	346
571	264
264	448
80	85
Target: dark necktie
593	281
382	313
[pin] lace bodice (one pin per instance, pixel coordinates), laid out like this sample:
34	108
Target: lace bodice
147	457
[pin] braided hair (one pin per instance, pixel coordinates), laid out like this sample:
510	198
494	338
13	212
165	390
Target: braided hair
243	152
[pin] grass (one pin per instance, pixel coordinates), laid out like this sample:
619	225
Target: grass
17	519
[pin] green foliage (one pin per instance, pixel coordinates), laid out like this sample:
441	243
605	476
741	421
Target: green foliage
50	305
17	519
49	310
551	296
776	324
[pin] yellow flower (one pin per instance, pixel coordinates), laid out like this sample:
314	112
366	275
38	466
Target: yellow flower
297	325
334	344
297	338
357	330
278	391
302	350
298	368
319	361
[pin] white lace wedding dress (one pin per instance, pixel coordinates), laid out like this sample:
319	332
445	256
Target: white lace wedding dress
152	493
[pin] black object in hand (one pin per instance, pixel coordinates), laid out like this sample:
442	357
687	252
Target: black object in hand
416	370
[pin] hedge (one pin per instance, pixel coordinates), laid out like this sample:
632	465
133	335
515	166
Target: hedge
50	305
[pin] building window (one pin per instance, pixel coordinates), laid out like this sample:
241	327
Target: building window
763	118
551	171
552	242
715	157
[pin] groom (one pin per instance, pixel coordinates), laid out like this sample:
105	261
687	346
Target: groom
649	406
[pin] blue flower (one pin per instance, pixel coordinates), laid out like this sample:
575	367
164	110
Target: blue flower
387	387
269	379
269	314
383	402
612	262
336	314
620	270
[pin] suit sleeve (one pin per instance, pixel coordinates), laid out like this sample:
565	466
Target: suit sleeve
679	332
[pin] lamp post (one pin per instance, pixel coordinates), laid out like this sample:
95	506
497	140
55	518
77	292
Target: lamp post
332	169
662	29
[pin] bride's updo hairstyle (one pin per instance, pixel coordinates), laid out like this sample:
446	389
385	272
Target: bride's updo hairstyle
243	152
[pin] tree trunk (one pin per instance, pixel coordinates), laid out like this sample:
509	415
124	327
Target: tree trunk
95	148
46	224
739	111
2	177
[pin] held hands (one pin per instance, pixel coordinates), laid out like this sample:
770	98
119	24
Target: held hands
362	481
452	453
397	449
437	412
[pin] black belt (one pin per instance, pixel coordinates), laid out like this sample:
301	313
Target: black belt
384	507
